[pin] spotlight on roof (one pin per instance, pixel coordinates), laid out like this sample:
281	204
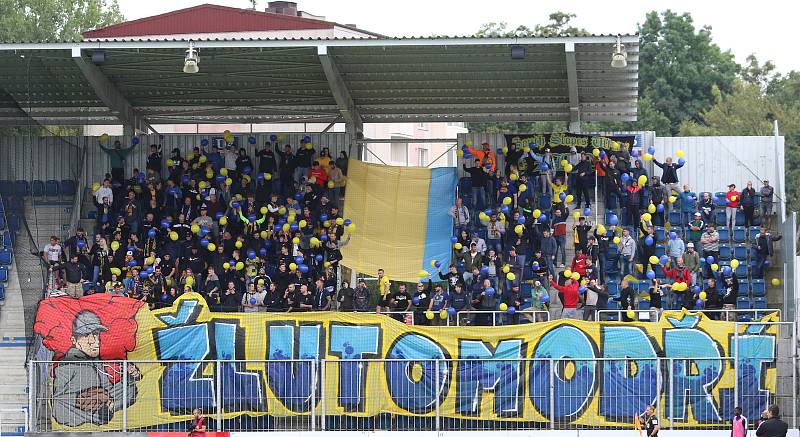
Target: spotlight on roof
517	52
192	60
619	58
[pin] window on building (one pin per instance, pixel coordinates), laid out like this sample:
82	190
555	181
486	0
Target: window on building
422	155
399	151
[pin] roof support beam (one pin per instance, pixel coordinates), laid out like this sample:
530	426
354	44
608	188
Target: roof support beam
354	125
572	87
110	96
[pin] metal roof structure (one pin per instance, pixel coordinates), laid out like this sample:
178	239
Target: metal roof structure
353	80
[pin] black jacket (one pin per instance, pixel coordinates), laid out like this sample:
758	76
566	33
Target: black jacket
772	427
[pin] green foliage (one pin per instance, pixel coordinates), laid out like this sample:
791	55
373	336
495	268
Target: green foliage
54	20
558	25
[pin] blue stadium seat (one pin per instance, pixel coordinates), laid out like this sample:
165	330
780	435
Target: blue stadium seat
612	305
68	187
741	252
744	284
525	290
644	304
545	202
2	292
678	230
22	188
613	289
719	218
2	222
3	274
754	230
8	239
739	234
16	204
5	256
758	287
660	233
739	218
760	303
743	303
725	252
51	188
724	233
37	188
745	318
675	218
742	270
6	188
613	250
660	250
13	222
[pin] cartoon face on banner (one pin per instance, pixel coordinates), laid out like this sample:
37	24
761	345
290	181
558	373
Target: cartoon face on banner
598	374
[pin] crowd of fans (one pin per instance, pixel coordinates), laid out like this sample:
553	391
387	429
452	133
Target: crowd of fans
266	235
658	244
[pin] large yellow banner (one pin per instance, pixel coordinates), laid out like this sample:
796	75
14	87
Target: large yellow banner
574	372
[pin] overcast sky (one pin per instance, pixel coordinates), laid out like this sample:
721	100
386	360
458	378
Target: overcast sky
766	28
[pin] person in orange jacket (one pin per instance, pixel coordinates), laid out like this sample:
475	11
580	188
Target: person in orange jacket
484	154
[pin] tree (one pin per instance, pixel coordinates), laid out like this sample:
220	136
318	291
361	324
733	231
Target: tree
54	20
679	66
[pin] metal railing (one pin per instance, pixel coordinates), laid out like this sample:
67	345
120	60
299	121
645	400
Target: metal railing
652	314
405	394
8	424
468	317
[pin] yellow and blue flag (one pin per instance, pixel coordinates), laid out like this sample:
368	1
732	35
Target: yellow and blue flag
402	218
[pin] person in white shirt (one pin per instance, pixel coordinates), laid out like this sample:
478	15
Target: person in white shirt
460	215
103	192
52	252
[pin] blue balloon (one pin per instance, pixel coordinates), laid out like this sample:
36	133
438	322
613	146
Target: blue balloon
298	260
204	142
544	298
252	217
488	211
681	161
651	274
164	297
532	144
248	170
485	270
262	251
766	264
648	240
587	211
318	258
251	140
135	141
499	152
323	237
543	218
307	139
132	248
347	222
454	240
273	138
204	231
452	311
204	242
437	264
251	254
535	265
260	177
218	215
81	244
710	259
660	207
581	289
219	178
625	177
104	218
562	196
415	300
602	153
252	301
613	219
235	204
266	244
511	310
132	263
165	223
696	289
521	220
505	209
489	291
143	275
727	271
303	268
543	166
323	217
185	179
298	196
664	259
634	153
673	235
651	150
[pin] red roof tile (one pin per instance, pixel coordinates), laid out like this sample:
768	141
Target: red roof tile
207	18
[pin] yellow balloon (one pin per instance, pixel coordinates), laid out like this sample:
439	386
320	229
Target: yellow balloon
601	229
295	240
291	218
642	180
309	146
195	228
576	214
653	260
267	177
568	168
442	314
433	263
507	201
518	229
238	244
511	276
264	234
351	227
228	181
202	159
569	198
326	264
114	245
776	281
223	171
95	187
502	307
211	247
672	199
526	149
734	263
226	266
523	188
330	184
314	242
468	142
422	273
302	223
506	269
189	281
504	149
173	236
596	152
647	157
457	246
564	162
282	210
680	153
651	208
617	240
339	221
715	267
702	295
567	273
513	176
223	220
170	163
292	266
646	217
263	210
575	276
429	315
460	153
209	174
239	265
483	217
285	227
104	137
631	314
116	271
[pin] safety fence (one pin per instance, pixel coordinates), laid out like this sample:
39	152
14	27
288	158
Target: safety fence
409	394
652	314
468	317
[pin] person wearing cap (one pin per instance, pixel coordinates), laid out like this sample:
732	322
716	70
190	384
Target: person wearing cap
80	380
691	259
732	197
485	155
695	227
766	192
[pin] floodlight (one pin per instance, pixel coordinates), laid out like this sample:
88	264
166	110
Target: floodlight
192	60
619	58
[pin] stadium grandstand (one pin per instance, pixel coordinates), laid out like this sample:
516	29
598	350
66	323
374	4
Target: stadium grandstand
248	278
